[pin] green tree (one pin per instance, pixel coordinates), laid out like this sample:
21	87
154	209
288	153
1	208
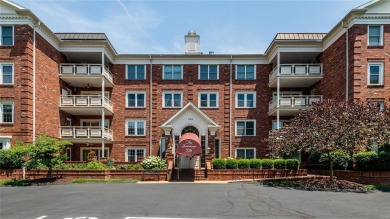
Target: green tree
14	158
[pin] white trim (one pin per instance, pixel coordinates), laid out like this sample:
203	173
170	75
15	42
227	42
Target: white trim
208	99
135	129
2	64
2	103
181	77
245	79
94	148
136	67
136	99
172	93
208	73
246	148
246	99
133	148
246	120
69	120
185	60
1	34
6	141
381	73
70	154
381	35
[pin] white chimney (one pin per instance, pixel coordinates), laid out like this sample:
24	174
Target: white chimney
192	42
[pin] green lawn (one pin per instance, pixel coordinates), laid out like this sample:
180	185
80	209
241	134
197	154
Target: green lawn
104	181
18	182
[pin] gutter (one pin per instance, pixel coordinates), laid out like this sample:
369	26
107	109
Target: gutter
150	107
230	107
34	80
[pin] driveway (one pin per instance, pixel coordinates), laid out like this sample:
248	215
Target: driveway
184	200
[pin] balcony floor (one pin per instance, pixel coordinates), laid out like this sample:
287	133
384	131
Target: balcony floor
295	81
86	80
287	111
86	110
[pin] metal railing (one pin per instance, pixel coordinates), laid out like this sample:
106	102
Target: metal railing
85	70
296	70
86	101
294	101
85	132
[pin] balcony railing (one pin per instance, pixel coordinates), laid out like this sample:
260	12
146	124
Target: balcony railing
294	101
85	70
83	132
86	101
296	70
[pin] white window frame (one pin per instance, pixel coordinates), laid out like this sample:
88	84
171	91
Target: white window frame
208	99
381	73
94	148
246	79
246	98
380	37
136	101
136	79
136	130
70	153
163	73
1	112
1	72
6	140
254	152
246	120
276	123
69	121
208	73
172	93
219	147
379	103
136	156
1	35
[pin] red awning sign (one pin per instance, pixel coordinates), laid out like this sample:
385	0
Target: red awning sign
189	145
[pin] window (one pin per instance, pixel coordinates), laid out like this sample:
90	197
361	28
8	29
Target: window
245	128
375	73
7	35
68	154
245	72
135	128
134	155
135	99
208	99
375	35
6	73
98	152
208	72
162	147
68	122
245	153
6	112
217	148
203	156
5	143
379	104
173	72
94	123
246	99
135	72
172	99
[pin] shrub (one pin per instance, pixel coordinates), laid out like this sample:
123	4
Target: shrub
314	158
219	163
129	167
13	158
267	164
292	164
95	165
154	163
255	163
383	161
280	164
340	159
231	164
243	164
366	160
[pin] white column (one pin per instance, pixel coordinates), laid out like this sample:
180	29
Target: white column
277	91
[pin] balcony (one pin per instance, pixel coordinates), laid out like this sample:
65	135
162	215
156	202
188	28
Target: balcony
85	75
86	105
291	105
82	134
296	75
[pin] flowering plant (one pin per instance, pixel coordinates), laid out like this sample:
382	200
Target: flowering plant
154	163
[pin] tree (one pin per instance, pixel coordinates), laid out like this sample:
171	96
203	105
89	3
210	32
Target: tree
46	151
14	158
331	126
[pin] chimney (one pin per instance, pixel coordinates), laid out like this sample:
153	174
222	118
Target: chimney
192	41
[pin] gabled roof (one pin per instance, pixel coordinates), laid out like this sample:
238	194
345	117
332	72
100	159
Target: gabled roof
81	36
17	6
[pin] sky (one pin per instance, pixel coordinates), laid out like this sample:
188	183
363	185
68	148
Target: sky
159	26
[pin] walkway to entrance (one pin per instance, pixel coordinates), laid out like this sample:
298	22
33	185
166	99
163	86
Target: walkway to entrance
188	175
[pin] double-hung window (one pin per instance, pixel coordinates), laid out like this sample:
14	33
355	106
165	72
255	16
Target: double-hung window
208	72
133	155
6	112
245	72
208	99
172	99
7	35
135	72
245	128
135	99
375	35
6	73
375	73
135	127
173	72
379	104
246	99
245	153
5	143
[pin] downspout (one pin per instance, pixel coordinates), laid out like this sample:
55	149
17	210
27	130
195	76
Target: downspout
150	106
230	106
346	61
34	72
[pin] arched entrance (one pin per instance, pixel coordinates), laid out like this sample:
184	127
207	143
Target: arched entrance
188	162
190	129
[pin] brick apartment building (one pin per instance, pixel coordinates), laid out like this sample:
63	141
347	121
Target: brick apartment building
75	86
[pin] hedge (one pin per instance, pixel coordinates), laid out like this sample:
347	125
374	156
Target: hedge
230	163
244	164
267	164
372	160
292	164
255	163
219	163
280	164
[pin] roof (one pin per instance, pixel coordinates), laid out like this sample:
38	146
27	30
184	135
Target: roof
300	36
81	36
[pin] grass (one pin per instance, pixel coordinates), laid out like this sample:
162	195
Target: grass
17	182
104	181
379	188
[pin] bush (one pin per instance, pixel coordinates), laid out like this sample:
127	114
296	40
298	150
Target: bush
280	164
383	162
129	167
231	164
314	158
340	159
154	163
95	165
292	164
366	160
13	158
219	163
255	163
267	164
244	164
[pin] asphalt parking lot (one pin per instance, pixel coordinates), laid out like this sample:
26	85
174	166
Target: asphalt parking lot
184	200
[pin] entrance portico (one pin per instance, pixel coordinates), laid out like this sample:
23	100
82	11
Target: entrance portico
202	129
